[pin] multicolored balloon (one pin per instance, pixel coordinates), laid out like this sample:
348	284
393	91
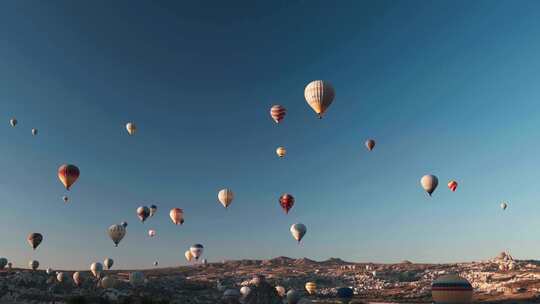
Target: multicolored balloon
311	287
108	262
225	197
77	279
33	264
452	185
153	210
188	255
429	183
68	175
143	213
34	239
286	201
281	152
196	251
370	144
177	216
319	96
278	113
451	289
131	128
96	269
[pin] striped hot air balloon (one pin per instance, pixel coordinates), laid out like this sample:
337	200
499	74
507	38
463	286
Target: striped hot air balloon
225	197
451	289
278	112
311	287
177	216
68	174
452	185
116	233
319	96
286	201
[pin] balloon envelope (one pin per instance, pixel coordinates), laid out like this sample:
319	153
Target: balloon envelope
34	132
151	233
429	183
281	152
68	175
96	269
452	185
116	233
13	122
370	144
188	255
136	278
278	112
131	128
196	251
286	201
225	197
153	210
33	264
177	216
34	239
311	287
281	291
143	212
504	206
298	231
77	278
319	96
108	282
451	289
108	263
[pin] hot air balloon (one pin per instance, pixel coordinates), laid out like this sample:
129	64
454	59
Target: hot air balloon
153	210
429	183
196	251
136	278
96	269
116	233
281	291
452	185
34	239
278	113
298	231
504	206
155	263
344	294
60	277
68	174
451	289
124	224
9	265
3	263
108	262
77	279
65	199
33	264
286	201
48	271
319	95
151	233
143	212
177	216
244	291
131	128
13	122
34	132
107	282
225	197
311	287
293	296
204	261
370	144
281	151
188	256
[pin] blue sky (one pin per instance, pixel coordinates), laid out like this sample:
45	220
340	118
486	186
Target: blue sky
445	87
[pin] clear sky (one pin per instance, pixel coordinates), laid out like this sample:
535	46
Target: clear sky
445	87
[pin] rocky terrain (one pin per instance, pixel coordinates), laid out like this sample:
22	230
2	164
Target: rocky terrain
497	280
